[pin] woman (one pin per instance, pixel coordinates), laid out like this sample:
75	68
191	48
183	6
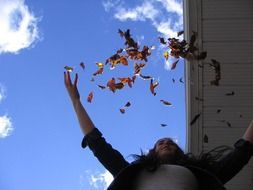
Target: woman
166	166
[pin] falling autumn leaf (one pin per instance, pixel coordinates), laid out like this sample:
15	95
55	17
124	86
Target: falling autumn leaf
216	65
166	55
127	80
90	97
82	65
199	99
166	102
138	67
99	72
202	55
69	69
230	93
122	110
181	80
128	104
173	66
205	138
195	119
225	121
153	86
162	41
100	65
113	86
180	33
101	87
145	77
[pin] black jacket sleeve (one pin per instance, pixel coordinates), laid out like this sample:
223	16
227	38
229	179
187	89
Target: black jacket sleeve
234	161
110	158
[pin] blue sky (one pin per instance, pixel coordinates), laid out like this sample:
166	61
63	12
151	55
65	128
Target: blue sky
39	133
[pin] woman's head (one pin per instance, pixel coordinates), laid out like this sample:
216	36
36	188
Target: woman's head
166	151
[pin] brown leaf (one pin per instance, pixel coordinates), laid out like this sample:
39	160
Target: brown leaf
145	77
195	119
180	33
181	80
173	66
82	65
205	138
199	99
122	110
162	41
202	55
153	86
230	93
166	102
98	72
101	87
138	67
90	97
114	86
128	104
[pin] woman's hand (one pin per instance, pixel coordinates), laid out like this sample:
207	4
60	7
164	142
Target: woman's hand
71	87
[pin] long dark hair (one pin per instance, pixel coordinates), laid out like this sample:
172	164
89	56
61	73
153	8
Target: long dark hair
204	160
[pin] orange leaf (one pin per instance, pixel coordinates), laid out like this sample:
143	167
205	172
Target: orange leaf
123	60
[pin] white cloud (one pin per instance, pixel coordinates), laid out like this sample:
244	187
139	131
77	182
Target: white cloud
110	4
165	28
2	92
99	180
18	26
173	6
5	126
143	12
165	15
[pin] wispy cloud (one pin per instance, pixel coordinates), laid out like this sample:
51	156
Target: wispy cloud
2	92
18	26
5	126
165	15
98	180
139	13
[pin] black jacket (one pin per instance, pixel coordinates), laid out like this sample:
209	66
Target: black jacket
124	172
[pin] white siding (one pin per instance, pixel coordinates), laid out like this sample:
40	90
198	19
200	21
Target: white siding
225	31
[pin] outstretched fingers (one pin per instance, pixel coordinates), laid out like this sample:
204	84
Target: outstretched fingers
76	79
67	79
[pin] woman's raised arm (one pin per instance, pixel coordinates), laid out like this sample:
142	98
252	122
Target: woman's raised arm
85	122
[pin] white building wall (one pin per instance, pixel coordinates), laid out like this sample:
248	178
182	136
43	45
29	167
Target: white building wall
225	31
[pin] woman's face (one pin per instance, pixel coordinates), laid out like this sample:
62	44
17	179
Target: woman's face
166	149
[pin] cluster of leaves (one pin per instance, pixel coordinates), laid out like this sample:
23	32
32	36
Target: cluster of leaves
132	52
180	48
